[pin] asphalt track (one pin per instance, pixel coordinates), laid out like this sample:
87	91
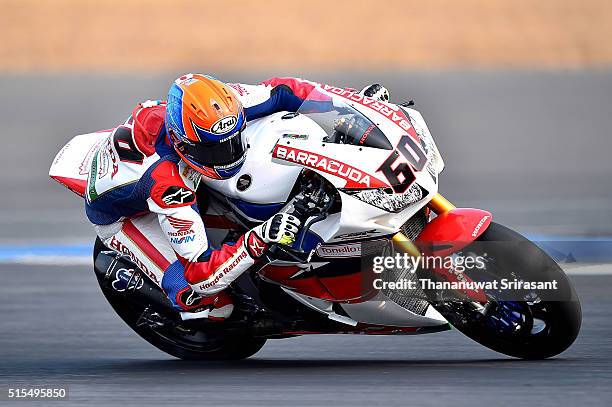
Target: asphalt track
531	146
58	331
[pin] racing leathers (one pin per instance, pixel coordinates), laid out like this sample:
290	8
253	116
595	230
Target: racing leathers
141	199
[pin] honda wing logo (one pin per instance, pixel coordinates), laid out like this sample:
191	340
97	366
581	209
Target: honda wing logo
182	226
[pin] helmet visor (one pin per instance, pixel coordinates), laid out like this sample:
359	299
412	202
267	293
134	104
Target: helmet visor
211	155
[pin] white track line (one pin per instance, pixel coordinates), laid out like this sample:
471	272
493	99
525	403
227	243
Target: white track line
34	260
588	270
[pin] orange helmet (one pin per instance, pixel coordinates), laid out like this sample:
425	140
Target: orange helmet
204	120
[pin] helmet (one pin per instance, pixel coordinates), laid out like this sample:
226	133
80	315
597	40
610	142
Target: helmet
204	120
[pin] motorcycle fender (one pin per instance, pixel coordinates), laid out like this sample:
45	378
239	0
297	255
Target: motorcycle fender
453	230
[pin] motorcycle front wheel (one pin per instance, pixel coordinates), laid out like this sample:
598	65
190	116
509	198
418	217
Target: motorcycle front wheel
532	324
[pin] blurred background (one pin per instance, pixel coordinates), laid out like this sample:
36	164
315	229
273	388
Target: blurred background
518	94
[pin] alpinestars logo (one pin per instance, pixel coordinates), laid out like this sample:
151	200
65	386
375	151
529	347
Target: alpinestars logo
191	299
177	196
182	226
255	245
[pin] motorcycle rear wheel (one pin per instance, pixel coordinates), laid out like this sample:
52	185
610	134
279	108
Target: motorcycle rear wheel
558	319
186	344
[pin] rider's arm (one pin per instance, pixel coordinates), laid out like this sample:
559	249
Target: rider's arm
207	270
288	94
273	95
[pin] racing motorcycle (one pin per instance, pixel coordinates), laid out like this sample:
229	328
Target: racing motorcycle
362	175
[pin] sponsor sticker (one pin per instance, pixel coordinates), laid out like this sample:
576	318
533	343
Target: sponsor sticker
244	182
339	250
238	88
191	175
181	240
479	225
358	235
224	125
355	178
123	280
116	245
296	136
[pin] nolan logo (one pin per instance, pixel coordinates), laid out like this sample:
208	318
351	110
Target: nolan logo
224	125
181	240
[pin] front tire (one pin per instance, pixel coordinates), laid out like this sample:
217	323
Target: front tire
538	326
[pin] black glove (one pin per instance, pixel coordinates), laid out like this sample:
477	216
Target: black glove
376	91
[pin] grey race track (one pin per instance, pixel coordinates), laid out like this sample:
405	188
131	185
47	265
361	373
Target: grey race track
533	147
58	331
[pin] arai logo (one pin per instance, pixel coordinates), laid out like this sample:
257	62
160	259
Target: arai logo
224	125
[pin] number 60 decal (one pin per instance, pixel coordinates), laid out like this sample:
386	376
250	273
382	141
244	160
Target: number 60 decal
416	158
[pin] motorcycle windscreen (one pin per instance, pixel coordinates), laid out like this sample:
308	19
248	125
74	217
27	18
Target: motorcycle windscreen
342	123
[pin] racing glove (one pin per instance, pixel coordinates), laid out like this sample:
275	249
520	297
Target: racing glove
280	228
376	91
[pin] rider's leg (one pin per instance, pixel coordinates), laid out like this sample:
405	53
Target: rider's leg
143	241
184	298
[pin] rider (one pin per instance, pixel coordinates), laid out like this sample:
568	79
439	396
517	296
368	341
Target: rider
142	182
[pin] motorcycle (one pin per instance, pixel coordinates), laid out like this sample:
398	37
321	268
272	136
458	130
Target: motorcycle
362	175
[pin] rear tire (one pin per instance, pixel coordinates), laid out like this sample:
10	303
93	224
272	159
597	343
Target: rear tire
182	342
518	258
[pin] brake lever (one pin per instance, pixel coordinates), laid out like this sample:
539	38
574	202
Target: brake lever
274	249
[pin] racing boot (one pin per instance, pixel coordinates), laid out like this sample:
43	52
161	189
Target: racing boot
216	307
190	304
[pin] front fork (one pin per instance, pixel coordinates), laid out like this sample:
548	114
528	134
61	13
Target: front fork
438	205
445	212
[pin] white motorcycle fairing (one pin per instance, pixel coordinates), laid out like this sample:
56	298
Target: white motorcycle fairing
273	165
280	147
